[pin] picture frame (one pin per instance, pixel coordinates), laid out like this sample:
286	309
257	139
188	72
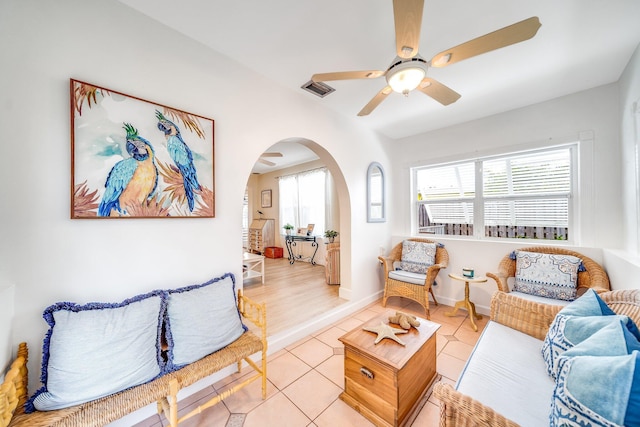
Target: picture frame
266	199
133	158
310	228
301	231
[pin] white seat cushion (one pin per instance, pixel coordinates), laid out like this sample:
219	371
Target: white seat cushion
543	300
407	276
507	373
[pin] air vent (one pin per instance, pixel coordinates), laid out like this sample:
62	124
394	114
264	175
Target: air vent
318	88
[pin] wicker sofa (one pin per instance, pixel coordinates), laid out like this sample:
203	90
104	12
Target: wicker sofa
520	391
162	390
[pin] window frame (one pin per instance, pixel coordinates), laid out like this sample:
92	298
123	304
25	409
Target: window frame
478	200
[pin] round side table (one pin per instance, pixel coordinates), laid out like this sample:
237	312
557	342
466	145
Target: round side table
466	302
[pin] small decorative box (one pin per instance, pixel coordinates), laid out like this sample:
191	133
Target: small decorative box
467	272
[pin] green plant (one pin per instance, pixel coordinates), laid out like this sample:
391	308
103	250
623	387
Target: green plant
287	226
330	233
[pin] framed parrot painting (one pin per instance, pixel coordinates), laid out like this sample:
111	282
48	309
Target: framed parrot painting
132	158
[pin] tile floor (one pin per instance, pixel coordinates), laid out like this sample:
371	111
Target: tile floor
305	379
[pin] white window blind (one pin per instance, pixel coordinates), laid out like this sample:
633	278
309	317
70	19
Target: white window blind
528	190
245	219
447	193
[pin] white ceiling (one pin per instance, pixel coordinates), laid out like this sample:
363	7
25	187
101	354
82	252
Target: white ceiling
293	153
581	44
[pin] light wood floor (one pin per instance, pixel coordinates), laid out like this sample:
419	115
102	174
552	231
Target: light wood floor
292	293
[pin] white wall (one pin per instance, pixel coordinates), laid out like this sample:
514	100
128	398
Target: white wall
7	352
591	116
51	258
630	141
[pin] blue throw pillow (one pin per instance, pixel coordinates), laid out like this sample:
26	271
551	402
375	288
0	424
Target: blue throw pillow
97	349
201	319
612	340
417	257
597	391
547	275
567	331
589	304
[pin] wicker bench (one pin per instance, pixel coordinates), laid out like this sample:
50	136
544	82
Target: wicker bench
530	318
163	390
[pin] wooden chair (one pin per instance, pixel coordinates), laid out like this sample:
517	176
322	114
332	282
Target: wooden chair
416	292
593	275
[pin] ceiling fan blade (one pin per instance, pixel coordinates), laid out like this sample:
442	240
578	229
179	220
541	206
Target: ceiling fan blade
441	93
347	75
266	162
271	155
516	33
407	16
380	96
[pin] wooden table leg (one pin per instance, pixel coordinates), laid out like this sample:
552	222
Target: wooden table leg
468	305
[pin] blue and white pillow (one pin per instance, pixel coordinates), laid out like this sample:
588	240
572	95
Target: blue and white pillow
417	257
201	319
547	275
98	349
597	391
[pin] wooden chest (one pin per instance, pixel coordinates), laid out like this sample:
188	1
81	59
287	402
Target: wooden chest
273	252
386	381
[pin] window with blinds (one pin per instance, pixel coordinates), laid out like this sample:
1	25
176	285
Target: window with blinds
245	219
520	195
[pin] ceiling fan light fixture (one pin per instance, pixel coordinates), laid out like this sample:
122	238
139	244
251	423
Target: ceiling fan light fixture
405	77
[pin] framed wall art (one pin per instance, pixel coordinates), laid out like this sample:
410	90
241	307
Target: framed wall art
266	198
132	158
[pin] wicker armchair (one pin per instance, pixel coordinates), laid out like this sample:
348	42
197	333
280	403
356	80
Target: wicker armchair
531	318
418	293
594	275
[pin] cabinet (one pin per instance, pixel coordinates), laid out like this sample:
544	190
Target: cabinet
332	263
261	235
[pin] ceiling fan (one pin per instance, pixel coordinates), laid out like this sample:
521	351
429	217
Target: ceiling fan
408	71
264	161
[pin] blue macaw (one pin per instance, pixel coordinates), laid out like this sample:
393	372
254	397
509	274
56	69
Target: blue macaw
133	180
181	156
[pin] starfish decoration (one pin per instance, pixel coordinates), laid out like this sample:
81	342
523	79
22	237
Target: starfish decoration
385	331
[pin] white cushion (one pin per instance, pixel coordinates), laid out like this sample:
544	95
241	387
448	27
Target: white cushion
202	319
407	276
507	373
543	300
98	349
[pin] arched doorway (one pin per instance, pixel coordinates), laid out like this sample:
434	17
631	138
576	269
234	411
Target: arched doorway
300	302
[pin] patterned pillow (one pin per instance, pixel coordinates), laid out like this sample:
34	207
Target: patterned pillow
97	349
417	257
547	275
201	319
597	391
